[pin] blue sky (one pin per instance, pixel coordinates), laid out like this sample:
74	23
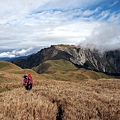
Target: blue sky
26	26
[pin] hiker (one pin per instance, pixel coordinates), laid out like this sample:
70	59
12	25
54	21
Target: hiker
28	81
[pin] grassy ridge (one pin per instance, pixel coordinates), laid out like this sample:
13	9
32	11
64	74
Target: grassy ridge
11	76
65	70
51	66
7	66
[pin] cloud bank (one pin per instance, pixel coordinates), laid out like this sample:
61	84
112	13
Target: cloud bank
15	53
105	37
28	23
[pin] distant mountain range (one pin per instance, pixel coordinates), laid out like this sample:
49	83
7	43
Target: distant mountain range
5	58
13	59
107	62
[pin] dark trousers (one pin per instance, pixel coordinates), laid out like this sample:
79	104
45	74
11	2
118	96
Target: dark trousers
28	87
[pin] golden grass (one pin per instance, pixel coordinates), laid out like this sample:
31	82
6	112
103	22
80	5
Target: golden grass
11	76
62	100
7	66
75	75
86	99
65	70
52	66
64	46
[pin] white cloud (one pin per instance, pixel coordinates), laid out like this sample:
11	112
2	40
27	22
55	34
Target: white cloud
114	18
114	3
16	53
90	12
6	54
103	15
106	37
28	23
18	10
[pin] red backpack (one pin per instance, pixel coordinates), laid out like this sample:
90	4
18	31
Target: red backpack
30	76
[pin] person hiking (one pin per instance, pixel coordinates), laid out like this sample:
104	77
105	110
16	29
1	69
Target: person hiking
28	81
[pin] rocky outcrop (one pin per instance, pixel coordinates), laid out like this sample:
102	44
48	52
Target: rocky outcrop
108	62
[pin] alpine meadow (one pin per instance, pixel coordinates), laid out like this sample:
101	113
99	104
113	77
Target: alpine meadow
59	59
55	98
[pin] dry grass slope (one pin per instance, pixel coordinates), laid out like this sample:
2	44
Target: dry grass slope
65	70
57	100
62	100
11	76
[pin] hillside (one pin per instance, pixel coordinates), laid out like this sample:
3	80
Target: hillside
65	70
58	100
86	99
11	75
107	62
7	66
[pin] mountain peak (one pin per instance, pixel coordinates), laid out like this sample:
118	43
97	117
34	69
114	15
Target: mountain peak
108	62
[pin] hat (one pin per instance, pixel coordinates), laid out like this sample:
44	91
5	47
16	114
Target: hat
25	75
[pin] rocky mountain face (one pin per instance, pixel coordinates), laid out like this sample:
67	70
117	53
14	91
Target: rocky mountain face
108	62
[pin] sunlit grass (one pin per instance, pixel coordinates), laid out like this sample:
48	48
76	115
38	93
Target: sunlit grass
77	97
55	100
65	70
